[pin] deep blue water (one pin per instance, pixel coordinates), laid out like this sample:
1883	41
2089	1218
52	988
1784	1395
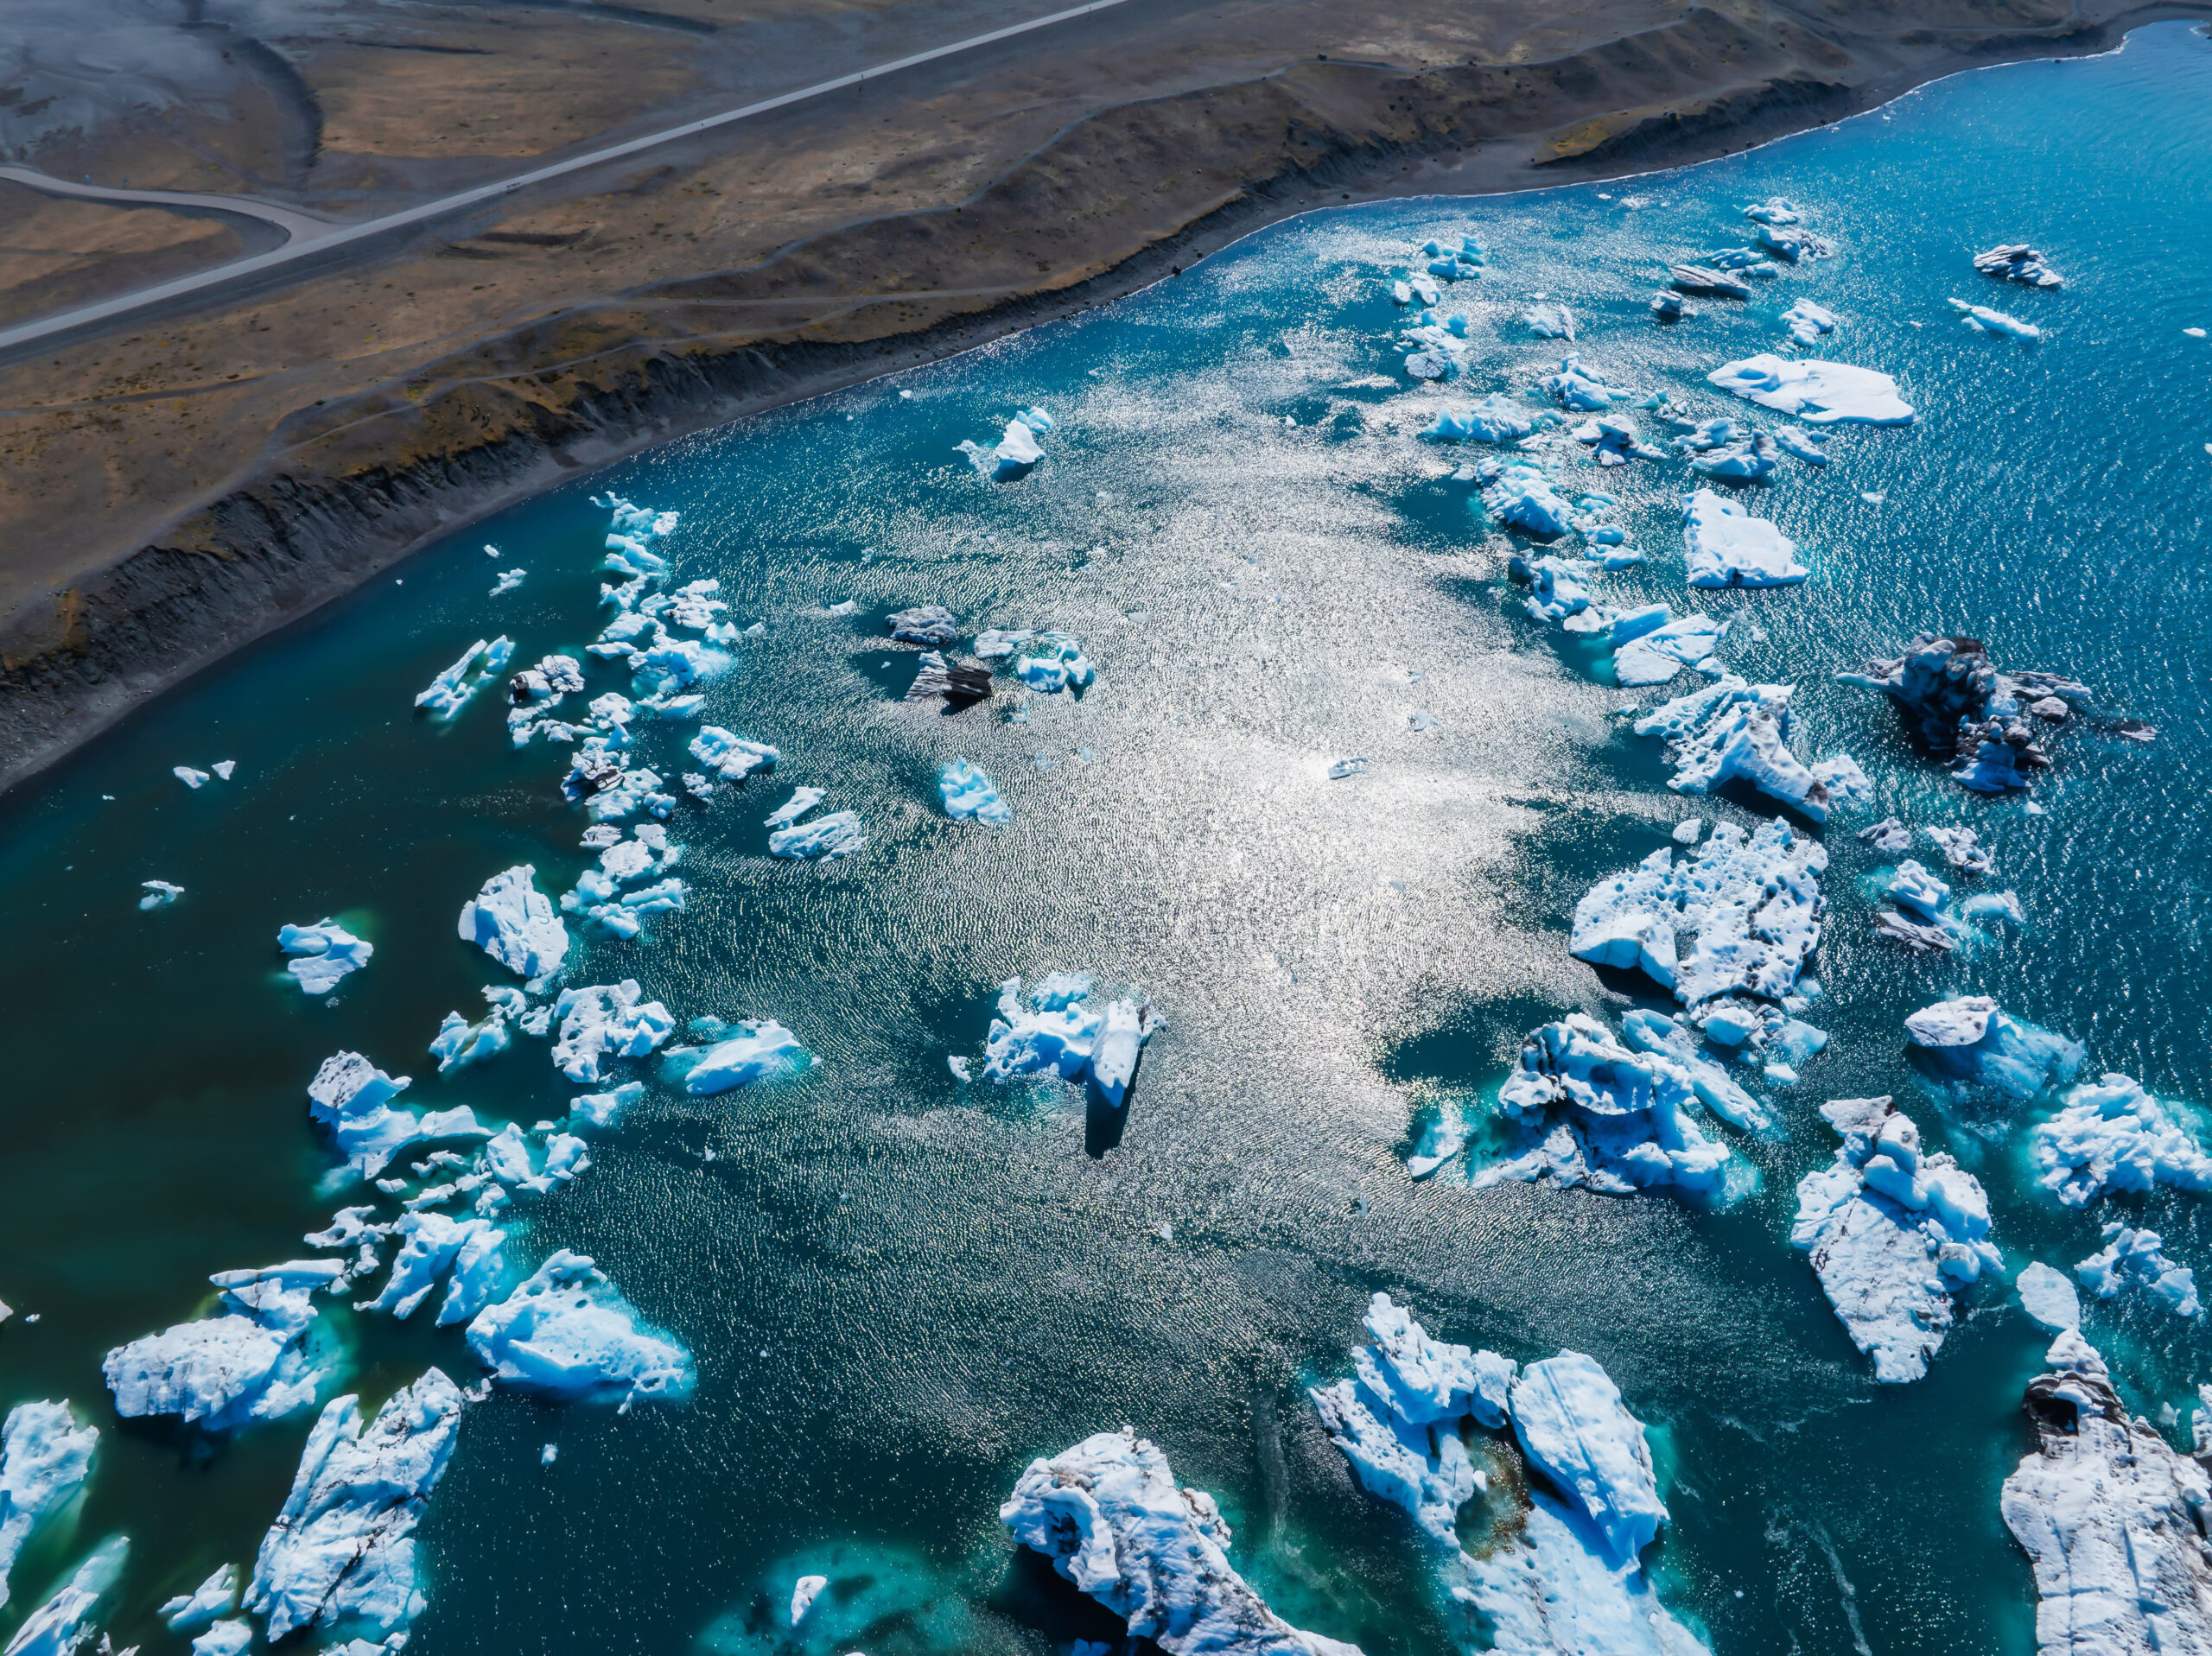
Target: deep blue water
899	1290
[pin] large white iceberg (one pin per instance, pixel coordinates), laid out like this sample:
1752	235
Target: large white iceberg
1109	1516
1056	1029
249	1363
1731	730
1984	320
2111	1517
1892	1233
514	922
433	1244
1970	1041
1741	916
1728	547
325	953
2110	1134
44	1455
1052	662
1819	393
729	755
1656	655
1017	450
352	1098
341	1551
567	1331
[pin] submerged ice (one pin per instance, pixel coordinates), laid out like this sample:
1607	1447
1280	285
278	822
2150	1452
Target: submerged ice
44	1455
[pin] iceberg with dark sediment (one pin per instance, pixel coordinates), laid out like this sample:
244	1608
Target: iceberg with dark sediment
248	1363
2017	262
2136	1258
352	1098
601	1022
1734	731
323	953
1969	1043
341	1552
568	1332
44	1455
456	687
1740	916
1893	1233
1703	278
747	1051
2110	1134
1057	1029
57	1626
1817	392
513	922
969	796
1728	547
823	840
1111	1517
2111	1517
1967	713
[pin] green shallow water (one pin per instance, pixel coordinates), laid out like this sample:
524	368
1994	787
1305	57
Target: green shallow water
899	1290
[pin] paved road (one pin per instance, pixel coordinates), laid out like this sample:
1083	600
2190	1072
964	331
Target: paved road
298	227
319	236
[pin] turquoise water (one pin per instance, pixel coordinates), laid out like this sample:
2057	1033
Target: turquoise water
898	1289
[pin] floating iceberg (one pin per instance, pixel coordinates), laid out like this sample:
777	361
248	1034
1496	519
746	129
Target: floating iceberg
1969	1041
568	1332
159	893
1706	1075
1581	391
211	1598
1615	442
960	682
432	1245
508	580
605	1109
1109	1516
995	642
1749	909
1496	418
1052	662
1728	547
969	797
1913	889
2111	1135
762	1049
1799	443
2109	1514
2017	262
1967	711
44	1455
1791	244
804	1593
1892	1233
326	952
1567	1414
824	839
1703	278
454	689
2048	1297
1518	494
2136	1259
1775	210
1756	456
1558	588
459	1042
1820	393
1017	450
1807	321
1655	657
341	1551
514	922
1962	849
802	801
57	1626
925	624
249	1363
1983	319
729	755
352	1098
1733	730
1056	1029
603	1021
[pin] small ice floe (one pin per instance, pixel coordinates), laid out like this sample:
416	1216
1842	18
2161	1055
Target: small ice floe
1057	1029
159	893
1969	1041
1967	711
1517	493
568	1332
605	1021
1748	1029
995	642
514	922
211	1598
1893	1233
2136	1258
1704	279
44	1455
2017	262
969	797
1889	836
1806	322
804	1593
532	1164
1734	730
248	1363
1982	320
737	1055
1550	322
1052	661
325	954
57	1626
1587	1112
1497	419
1669	308
1790	243
604	1110
1795	441
1112	1519
2105	1510
432	1245
1775	210
508	580
823	840
730	756
802	801
1817	392
1615	442
191	779
342	1551
1752	457
1741	916
459	1042
2049	1298
1652	655
2111	1135
536	690
352	1098
1962	849
925	624
1727	547
598	896
1342	768
1581	391
456	687
633	534
1452	263
1017	451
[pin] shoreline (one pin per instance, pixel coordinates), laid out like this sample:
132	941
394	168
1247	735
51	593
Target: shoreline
273	552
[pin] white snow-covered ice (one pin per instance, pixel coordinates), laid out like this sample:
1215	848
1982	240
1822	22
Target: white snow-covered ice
1817	392
515	923
567	1331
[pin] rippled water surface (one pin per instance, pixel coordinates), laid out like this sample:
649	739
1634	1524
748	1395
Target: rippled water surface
898	1289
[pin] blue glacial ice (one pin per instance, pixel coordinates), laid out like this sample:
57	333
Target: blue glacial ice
1615	442
325	953
1982	320
824	839
1582	391
1775	210
1550	322
1059	1029
1568	1417
1746	456
1969	1043
802	801
969	797
604	1021
598	895
1654	655
1800	443
1790	243
1111	1517
1497	419
1892	1232
533	692
432	1245
352	1098
1820	393
1739	916
44	1455
1518	494
567	1332
211	1598
250	1362
1728	547
508	580
1695	1064
1016	452
1731	731
2111	1135
459	1042
1558	587
1807	321
514	922
533	1162
159	893
729	755
1918	892
1586	1111
2017	262
456	687
225	1639
761	1048
2136	1258
57	1626
1052	662
1962	849
2049	1296
341	1552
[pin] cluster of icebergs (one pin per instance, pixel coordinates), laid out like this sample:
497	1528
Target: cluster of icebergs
1056	1029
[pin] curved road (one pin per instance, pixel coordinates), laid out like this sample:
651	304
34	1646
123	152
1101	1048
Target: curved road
310	236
